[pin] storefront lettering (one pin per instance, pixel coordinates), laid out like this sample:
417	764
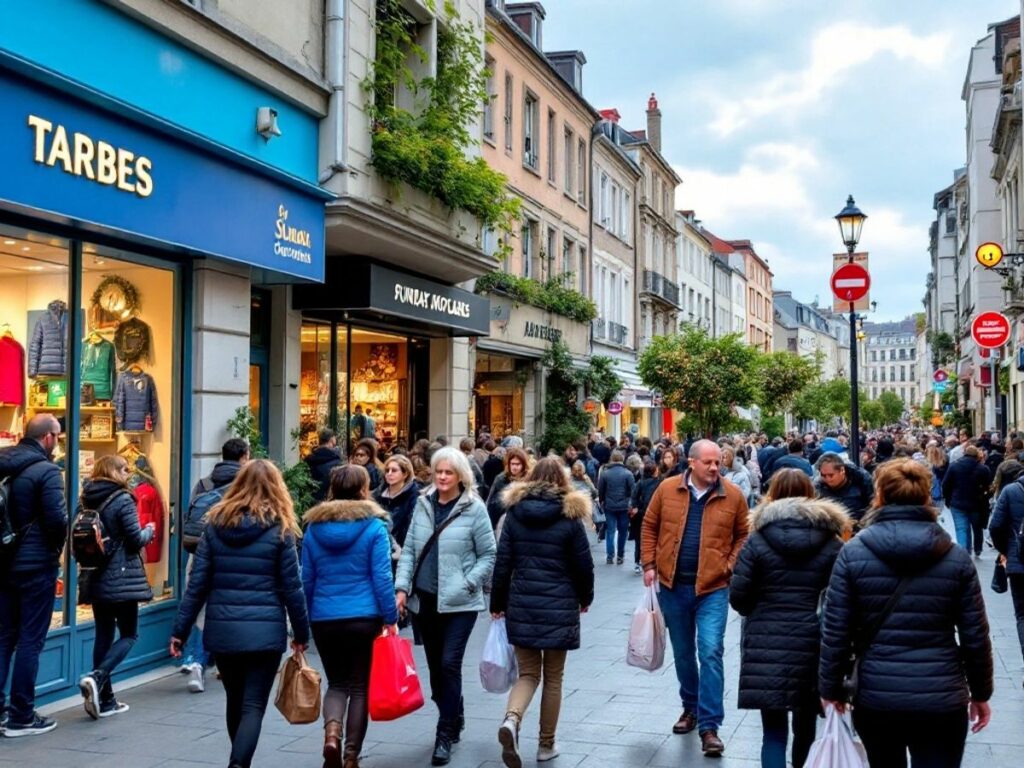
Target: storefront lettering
94	160
545	332
433	302
284	234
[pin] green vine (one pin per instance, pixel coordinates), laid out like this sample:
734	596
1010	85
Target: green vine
427	149
553	294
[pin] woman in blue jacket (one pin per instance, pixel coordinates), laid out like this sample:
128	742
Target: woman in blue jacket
246	572
346	574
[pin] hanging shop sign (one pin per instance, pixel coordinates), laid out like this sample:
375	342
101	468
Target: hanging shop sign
72	162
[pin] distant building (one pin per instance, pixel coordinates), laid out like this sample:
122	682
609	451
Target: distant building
696	271
891	361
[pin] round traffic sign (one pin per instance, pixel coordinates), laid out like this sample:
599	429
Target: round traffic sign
940	375
850	282
990	330
989	254
614	407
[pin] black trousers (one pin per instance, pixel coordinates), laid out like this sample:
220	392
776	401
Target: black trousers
346	650
248	679
1017	593
934	740
445	636
106	654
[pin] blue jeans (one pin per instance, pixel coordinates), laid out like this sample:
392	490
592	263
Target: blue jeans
26	607
967	523
696	627
194	652
617	522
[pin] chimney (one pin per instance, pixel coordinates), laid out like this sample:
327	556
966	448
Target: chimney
569	65
654	123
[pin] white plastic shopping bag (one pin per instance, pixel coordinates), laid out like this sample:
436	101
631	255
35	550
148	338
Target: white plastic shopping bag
837	747
646	648
498	668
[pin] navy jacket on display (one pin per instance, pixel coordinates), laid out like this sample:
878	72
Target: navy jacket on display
48	349
123	578
36	497
248	578
134	399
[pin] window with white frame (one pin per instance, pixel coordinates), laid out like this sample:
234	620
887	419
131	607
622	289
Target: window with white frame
508	112
549	257
613	214
581	172
626	217
602	206
528	237
552	142
627	305
567	252
531	129
569	150
489	100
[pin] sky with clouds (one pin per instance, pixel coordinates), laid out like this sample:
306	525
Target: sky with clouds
773	111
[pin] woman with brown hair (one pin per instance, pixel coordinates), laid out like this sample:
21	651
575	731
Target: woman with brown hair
543	581
246	573
364	454
350	593
398	494
903	587
517	464
116	588
776	585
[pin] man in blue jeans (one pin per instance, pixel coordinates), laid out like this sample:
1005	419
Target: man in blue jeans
692	533
28	575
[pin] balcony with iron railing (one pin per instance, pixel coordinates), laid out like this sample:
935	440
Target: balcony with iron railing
610	332
656	284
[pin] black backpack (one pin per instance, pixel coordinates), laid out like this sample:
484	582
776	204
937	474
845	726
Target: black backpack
10	535
193	522
90	545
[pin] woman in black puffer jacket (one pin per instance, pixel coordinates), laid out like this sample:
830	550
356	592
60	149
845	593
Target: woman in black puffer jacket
115	589
543	581
777	583
246	572
918	687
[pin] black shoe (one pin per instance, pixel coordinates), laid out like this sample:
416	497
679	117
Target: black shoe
4	715
609	560
38	726
112	707
442	750
619	560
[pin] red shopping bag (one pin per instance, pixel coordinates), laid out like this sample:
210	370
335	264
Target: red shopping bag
394	687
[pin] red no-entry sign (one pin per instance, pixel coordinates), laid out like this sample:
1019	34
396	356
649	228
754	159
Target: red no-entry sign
851	282
940	376
990	330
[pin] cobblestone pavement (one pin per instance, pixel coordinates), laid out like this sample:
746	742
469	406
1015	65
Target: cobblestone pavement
612	715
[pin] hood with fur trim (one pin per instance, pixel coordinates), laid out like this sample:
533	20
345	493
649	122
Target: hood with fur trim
543	503
799	527
344	511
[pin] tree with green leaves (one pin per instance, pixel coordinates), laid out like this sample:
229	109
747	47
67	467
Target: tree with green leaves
703	377
892	407
781	377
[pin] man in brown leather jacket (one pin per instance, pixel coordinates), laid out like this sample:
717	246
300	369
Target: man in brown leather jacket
693	531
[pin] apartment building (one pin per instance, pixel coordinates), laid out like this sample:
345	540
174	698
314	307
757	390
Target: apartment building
696	271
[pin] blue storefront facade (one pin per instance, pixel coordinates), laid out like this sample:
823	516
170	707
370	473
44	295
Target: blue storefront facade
133	188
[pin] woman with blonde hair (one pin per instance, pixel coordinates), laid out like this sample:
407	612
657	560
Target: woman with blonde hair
926	672
398	494
116	588
246	573
448	556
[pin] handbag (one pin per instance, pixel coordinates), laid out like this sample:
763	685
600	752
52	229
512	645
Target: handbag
597	513
1000	581
298	691
852	680
394	686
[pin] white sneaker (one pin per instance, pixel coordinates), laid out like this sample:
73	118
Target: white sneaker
196	679
114	708
90	696
547	753
508	737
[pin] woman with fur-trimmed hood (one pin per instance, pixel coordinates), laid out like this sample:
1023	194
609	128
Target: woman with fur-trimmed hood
777	584
346	575
543	581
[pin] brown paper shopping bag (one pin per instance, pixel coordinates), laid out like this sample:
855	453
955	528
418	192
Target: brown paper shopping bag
298	691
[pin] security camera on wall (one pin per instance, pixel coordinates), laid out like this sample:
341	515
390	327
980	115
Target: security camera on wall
266	123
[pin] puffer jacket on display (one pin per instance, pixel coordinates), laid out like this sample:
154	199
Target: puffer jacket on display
134	400
247	576
914	663
544	572
346	562
777	584
123	578
48	349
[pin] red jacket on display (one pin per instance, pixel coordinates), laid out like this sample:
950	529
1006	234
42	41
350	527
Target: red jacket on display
151	510
12	371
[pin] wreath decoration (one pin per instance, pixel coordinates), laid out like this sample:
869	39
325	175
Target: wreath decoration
129	291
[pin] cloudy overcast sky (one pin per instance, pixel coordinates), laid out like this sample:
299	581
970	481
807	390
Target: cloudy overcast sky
775	110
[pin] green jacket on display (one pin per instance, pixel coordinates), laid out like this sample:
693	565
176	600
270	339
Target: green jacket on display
98	367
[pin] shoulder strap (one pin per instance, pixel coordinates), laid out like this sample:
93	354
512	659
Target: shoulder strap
207	484
431	542
890	604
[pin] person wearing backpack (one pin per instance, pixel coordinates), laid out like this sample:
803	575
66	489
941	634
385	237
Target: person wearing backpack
112	581
32	502
1007	531
208	492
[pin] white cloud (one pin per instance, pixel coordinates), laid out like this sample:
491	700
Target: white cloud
835	51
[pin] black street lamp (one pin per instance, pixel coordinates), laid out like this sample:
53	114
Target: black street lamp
851	222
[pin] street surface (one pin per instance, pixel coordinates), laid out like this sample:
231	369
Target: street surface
612	715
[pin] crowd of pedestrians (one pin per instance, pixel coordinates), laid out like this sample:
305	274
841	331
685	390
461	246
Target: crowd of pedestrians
825	559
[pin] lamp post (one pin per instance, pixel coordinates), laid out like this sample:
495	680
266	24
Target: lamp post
851	222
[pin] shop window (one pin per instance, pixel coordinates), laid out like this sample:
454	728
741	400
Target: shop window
314	385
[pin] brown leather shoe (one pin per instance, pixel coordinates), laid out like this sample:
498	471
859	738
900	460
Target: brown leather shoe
711	745
686	723
332	744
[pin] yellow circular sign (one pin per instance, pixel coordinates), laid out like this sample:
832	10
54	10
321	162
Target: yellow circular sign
989	254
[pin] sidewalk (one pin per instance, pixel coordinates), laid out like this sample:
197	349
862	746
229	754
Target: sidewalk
611	714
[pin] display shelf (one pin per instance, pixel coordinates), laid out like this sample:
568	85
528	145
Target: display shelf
83	409
97	440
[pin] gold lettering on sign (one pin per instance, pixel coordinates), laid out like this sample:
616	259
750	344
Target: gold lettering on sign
90	159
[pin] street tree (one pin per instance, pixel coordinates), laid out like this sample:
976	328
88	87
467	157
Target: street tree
703	377
892	407
781	377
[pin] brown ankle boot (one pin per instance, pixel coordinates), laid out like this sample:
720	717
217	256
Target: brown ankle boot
332	744
351	758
